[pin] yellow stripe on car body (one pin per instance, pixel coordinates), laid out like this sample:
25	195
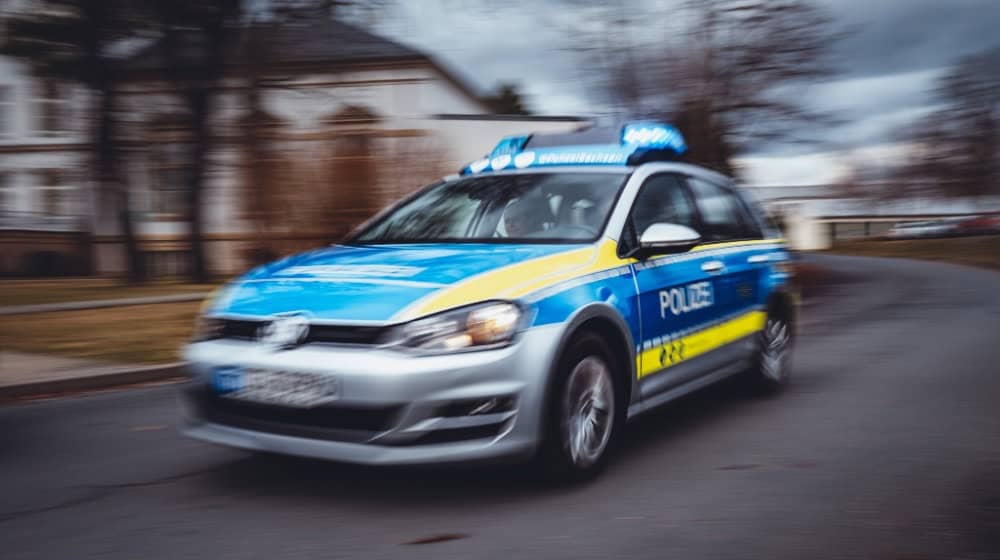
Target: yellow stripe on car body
520	279
605	258
673	351
493	283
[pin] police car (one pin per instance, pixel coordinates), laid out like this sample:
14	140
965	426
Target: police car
526	308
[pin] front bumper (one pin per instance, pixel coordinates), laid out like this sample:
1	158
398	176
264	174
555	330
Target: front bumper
393	407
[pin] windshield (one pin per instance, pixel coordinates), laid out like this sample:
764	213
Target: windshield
526	208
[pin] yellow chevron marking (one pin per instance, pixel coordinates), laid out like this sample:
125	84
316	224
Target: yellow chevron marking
673	352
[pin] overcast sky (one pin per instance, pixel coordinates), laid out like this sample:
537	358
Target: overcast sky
890	61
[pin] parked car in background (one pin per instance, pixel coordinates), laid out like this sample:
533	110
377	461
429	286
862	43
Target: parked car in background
920	230
979	225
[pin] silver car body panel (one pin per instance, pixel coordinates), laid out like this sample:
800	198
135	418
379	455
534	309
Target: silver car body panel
371	376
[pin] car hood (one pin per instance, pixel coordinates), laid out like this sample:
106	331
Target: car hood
380	283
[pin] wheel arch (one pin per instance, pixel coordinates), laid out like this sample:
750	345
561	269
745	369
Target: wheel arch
611	326
783	302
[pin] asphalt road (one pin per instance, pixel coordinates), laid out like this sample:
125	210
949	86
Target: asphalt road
887	445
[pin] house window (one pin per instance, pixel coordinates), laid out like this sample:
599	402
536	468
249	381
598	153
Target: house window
51	106
6	110
54	196
169	182
168	192
6	193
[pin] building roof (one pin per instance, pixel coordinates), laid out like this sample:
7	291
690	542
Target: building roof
324	41
321	41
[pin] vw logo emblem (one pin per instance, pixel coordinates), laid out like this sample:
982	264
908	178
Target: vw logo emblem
284	331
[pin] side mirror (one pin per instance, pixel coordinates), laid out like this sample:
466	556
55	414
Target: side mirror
662	239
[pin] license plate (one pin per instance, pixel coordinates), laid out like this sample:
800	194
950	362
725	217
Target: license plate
287	388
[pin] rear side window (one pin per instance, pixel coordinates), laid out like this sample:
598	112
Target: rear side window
766	225
723	215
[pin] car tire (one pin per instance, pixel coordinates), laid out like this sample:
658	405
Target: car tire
771	367
584	412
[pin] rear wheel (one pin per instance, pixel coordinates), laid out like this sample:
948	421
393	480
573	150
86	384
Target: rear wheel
584	411
772	363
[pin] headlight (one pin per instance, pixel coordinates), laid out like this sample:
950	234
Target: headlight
206	328
482	326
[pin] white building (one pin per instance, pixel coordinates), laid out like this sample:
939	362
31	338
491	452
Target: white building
39	140
43	148
331	96
41	144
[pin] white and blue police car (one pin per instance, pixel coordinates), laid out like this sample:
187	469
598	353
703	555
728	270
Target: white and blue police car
525	308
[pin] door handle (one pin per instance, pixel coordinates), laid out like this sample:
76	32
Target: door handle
713	266
755	259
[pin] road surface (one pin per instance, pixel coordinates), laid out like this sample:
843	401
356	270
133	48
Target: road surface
887	445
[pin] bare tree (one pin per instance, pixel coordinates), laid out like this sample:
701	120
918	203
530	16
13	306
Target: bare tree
507	99
730	73
955	150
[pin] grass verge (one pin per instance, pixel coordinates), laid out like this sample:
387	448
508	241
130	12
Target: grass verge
132	334
982	251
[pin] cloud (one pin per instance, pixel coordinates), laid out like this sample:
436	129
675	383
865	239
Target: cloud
896	36
868	109
492	43
889	65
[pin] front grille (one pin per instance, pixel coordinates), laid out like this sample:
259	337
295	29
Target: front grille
246	330
338	334
330	422
329	334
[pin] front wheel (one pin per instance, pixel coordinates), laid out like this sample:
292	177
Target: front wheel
584	412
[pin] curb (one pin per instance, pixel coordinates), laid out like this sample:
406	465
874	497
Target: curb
100	303
106	380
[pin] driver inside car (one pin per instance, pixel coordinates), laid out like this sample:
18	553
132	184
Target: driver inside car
525	217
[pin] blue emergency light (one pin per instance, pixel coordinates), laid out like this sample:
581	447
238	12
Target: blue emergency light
653	135
509	145
634	143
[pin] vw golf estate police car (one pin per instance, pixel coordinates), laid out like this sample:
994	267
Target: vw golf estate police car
526	308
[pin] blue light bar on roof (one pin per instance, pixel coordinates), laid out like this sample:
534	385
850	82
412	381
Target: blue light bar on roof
509	145
653	135
641	141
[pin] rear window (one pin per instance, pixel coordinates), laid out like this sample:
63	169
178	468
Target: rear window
723	214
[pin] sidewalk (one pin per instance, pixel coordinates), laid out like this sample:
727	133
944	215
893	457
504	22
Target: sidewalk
24	374
100	303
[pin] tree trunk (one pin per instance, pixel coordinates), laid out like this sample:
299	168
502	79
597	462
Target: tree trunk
109	182
211	73
256	179
201	144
